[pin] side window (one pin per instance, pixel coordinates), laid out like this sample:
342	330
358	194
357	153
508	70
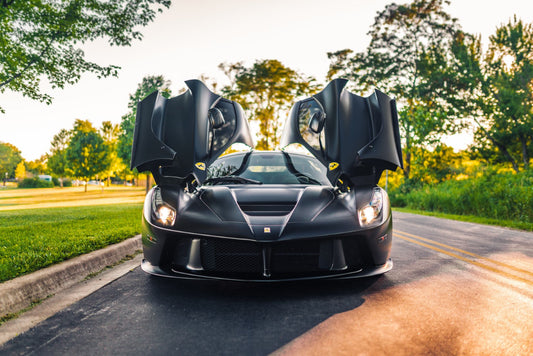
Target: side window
305	112
220	136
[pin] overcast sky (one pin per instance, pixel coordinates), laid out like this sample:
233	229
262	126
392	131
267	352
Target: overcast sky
193	37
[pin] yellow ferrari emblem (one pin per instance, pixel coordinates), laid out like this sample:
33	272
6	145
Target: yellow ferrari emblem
333	166
200	165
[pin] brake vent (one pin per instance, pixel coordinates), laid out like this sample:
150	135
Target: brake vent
267	209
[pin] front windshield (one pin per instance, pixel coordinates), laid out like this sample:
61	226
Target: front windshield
269	168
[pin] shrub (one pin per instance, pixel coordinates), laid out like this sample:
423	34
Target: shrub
503	196
35	183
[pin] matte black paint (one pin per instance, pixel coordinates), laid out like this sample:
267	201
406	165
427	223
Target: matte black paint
172	136
284	231
361	134
297	214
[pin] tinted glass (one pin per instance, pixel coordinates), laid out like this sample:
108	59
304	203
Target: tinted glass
271	168
219	137
305	112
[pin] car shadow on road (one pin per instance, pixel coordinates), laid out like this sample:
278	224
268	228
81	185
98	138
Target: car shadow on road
249	318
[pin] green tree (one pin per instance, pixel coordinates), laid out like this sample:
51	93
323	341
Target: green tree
508	93
409	43
266	90
110	133
38	166
10	157
436	165
43	39
20	171
87	152
57	158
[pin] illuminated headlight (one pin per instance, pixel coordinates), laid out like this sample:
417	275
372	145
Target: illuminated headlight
165	214
372	211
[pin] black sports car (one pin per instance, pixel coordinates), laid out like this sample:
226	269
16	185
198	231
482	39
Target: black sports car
267	216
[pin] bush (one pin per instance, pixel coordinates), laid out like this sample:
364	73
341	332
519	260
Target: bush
66	182
35	183
503	196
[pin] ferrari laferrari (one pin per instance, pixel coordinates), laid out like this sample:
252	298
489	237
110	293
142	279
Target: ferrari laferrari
266	215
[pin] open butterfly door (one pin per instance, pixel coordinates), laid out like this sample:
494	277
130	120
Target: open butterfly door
180	137
356	138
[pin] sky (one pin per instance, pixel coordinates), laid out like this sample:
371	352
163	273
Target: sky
193	37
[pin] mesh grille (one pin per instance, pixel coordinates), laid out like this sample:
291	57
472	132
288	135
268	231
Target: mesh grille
302	257
295	257
221	255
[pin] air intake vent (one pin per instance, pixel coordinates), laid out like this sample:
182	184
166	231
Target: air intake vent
267	209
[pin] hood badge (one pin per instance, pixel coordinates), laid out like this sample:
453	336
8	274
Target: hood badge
266	230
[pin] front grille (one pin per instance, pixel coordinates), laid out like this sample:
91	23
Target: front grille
220	255
295	257
284	259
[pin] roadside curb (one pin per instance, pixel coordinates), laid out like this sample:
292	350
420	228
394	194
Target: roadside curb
19	293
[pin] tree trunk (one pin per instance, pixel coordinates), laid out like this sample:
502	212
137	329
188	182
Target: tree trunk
86	186
509	157
525	155
500	146
407	165
407	158
147	182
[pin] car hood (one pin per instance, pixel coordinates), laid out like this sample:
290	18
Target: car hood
273	212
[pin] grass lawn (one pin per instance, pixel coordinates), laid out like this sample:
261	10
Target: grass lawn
40	227
23	199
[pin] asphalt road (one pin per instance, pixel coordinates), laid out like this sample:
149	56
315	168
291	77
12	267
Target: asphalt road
456	288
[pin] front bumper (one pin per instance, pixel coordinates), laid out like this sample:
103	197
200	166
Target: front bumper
186	255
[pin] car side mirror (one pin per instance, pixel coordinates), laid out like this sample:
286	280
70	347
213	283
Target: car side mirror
316	122
216	118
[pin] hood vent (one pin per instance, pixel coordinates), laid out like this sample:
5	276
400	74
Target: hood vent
267	209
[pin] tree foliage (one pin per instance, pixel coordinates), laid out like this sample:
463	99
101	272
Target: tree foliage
508	93
37	166
110	133
44	38
57	158
20	171
87	153
266	90
10	157
409	46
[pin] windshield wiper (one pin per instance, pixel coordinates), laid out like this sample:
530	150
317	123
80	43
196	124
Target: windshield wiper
304	179
231	179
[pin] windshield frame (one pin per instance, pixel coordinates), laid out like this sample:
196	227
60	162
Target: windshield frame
314	175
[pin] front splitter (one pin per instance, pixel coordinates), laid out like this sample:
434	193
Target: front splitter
363	272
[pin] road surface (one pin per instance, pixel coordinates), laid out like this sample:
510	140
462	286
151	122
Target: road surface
456	288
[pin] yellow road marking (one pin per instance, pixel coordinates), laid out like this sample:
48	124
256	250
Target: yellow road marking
468	260
465	252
